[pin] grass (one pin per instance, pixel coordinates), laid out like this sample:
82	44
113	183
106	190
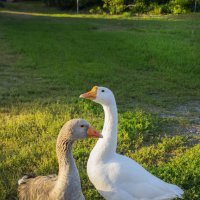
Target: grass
151	64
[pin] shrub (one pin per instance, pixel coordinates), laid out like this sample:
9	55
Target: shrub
177	9
114	6
179	6
165	9
139	7
127	14
96	10
155	9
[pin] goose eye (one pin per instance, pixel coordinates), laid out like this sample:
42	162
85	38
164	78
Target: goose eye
102	90
82	126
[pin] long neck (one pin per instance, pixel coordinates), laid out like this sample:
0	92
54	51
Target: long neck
65	161
68	178
107	145
110	125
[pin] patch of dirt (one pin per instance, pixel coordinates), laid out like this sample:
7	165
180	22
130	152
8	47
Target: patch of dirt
188	116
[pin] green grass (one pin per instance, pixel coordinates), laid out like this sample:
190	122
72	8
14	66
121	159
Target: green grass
151	64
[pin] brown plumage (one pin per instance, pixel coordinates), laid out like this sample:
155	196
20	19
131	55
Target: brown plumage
65	186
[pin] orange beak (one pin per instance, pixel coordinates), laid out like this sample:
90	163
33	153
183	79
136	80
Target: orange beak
92	133
91	94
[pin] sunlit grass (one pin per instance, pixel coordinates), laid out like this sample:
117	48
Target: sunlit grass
28	133
95	16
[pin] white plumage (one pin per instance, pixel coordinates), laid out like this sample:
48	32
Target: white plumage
118	177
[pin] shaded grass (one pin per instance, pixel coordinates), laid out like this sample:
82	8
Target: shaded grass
47	62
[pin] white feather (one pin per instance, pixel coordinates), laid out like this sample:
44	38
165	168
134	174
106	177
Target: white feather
117	177
22	180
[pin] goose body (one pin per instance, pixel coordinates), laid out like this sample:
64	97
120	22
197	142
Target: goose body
117	177
66	185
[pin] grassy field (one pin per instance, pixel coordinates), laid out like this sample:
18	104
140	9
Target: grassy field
48	58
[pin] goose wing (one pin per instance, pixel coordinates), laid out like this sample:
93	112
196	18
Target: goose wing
31	187
139	183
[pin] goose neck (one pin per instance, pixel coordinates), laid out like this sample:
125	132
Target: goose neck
110	121
107	145
67	174
65	159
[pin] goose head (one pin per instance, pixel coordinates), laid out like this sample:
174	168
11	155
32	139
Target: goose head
101	95
78	129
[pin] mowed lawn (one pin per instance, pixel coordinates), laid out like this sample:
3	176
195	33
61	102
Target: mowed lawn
151	64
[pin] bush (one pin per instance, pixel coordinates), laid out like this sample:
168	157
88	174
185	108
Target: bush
127	14
165	9
114	6
179	6
96	10
139	7
177	9
155	9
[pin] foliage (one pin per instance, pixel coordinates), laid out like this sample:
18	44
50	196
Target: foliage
114	6
165	9
96	10
155	7
178	6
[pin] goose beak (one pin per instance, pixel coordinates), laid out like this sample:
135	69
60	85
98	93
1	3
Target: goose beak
92	133
91	94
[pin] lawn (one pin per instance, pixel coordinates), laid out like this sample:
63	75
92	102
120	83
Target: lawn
152	64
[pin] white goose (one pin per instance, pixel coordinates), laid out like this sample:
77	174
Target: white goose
117	177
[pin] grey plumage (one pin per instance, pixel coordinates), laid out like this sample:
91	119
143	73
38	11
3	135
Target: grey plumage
66	185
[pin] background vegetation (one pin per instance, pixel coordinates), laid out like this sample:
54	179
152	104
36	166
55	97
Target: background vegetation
130	6
151	64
